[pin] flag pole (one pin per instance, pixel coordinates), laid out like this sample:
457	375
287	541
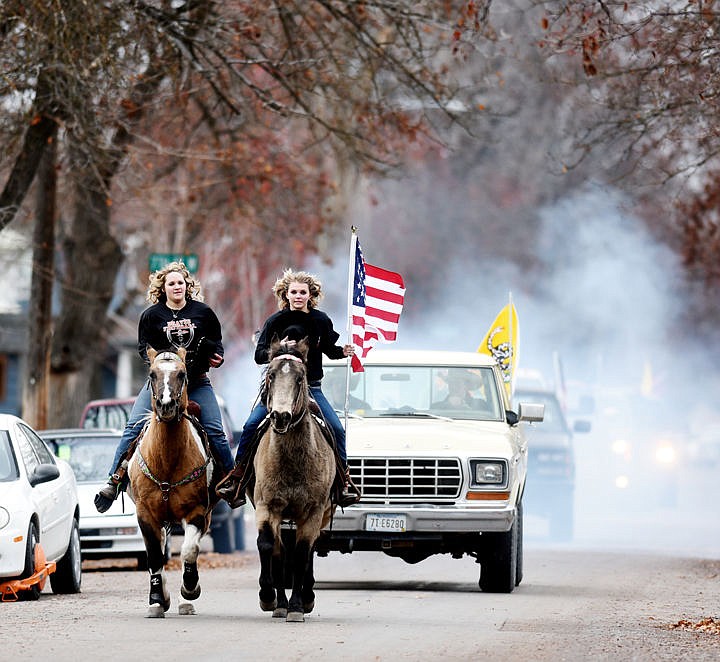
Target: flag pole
351	284
513	349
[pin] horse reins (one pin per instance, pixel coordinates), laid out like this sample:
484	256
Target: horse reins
165	486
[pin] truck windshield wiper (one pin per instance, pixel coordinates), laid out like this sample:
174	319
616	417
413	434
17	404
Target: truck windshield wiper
414	413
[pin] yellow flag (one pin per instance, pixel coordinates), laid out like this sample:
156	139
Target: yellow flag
501	342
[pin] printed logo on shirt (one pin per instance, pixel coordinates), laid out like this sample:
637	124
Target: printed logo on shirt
180	332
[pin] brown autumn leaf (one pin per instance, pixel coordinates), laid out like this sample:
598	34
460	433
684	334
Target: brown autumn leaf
709	625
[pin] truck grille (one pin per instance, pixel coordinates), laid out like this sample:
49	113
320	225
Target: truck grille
410	478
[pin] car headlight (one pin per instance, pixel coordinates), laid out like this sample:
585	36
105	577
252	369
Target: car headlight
4	517
665	454
486	472
621	447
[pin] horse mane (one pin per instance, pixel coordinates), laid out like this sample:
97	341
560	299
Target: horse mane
300	350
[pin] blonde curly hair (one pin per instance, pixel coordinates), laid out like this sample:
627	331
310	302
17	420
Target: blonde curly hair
156	286
280	289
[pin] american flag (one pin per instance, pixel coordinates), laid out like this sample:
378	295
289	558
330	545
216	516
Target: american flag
377	302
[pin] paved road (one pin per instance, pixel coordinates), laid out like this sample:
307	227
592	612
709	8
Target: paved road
573	605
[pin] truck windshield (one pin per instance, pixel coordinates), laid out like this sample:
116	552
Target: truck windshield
459	392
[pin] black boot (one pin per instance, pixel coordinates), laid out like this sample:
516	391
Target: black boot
105	497
349	494
232	488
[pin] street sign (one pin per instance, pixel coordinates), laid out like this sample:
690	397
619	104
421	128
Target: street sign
159	260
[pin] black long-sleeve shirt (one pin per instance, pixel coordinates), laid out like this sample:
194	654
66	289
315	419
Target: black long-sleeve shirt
195	327
317	326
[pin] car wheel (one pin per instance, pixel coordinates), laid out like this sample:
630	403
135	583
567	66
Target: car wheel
519	563
499	561
31	553
68	572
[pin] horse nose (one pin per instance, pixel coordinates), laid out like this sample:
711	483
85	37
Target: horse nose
280	419
165	409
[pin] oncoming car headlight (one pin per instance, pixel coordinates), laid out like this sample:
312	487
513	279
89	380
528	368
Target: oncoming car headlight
665	454
487	473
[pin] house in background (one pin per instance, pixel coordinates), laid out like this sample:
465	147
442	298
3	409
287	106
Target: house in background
15	272
122	373
13	346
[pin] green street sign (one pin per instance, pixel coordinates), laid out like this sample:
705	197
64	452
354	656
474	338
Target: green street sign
159	260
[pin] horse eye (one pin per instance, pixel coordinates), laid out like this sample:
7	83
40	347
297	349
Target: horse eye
181	376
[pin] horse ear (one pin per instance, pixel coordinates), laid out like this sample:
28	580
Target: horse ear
303	346
151	354
182	353
274	346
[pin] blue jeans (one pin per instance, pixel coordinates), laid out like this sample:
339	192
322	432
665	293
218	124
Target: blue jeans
210	418
259	412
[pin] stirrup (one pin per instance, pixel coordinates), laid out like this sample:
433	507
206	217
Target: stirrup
348	496
231	490
350	493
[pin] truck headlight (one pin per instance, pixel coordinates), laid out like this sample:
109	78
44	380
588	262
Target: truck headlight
485	472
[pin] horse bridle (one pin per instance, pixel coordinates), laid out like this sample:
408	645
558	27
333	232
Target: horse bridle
293	421
172	356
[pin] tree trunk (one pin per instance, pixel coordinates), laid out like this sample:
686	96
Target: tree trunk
38	136
92	258
37	368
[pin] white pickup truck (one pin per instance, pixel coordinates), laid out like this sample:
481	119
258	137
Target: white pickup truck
439	457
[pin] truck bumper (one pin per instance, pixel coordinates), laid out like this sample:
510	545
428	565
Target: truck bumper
427	519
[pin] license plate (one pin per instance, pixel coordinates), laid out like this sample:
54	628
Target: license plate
396	523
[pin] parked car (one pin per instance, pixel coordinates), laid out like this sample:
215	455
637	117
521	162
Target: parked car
550	491
227	528
39	511
114	533
106	414
440	461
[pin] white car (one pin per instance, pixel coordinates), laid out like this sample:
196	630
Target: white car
39	513
114	533
437	452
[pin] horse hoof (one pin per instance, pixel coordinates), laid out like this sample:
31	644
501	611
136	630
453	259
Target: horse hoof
155	611
308	606
295	617
268	606
280	612
190	595
186	609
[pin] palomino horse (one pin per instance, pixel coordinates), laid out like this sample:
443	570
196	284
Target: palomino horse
170	474
294	473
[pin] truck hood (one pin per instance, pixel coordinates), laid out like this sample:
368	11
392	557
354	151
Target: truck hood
427	436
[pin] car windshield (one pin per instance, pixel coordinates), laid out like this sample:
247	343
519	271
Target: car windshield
8	465
89	457
109	415
390	390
